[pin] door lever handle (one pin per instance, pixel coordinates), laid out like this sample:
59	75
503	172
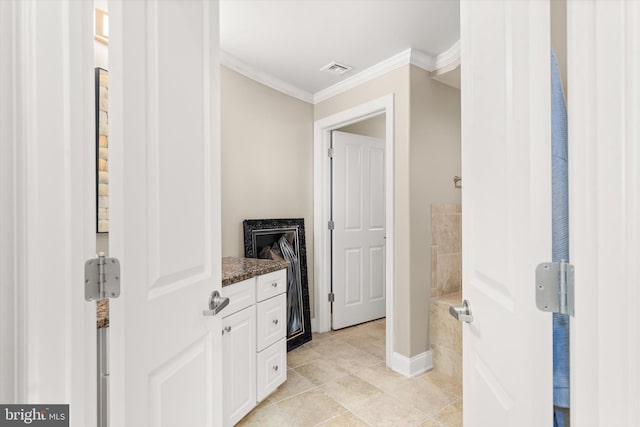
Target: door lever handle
216	304
461	313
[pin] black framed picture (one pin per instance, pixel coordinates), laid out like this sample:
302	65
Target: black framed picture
285	239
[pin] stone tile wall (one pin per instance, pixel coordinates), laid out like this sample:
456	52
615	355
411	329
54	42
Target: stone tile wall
446	336
446	287
103	153
446	249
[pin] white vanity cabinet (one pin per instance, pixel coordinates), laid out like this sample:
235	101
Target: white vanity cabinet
254	329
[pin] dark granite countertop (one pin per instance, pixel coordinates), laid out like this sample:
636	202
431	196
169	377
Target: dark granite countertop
237	269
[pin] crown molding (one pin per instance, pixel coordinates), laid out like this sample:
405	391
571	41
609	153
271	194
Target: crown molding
449	57
422	60
372	72
410	56
264	78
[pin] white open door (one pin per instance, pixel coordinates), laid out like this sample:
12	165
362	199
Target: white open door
359	233
506	199
165	204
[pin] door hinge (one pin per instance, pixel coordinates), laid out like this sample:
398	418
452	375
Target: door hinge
331	225
555	287
101	278
330	152
332	297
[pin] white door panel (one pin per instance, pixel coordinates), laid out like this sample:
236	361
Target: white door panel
164	78
506	223
358	237
376	188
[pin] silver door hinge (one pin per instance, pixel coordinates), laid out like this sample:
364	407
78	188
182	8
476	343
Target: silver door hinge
331	225
555	287
101	278
330	153
332	297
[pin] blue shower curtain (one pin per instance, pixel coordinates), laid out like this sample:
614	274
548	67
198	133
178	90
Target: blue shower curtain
560	239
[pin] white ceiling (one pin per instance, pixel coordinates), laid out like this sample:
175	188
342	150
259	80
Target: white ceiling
288	41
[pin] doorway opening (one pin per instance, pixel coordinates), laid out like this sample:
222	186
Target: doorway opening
322	210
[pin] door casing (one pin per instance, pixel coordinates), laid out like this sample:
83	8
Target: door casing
603	47
48	221
322	194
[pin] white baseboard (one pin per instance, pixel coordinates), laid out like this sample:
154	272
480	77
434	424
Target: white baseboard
314	325
414	366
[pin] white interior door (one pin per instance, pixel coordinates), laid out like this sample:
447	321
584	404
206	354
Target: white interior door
506	199
359	233
165	224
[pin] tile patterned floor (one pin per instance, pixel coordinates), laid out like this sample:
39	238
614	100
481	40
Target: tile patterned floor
340	379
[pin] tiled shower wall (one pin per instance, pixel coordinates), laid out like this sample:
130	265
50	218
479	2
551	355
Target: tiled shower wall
446	336
446	284
446	249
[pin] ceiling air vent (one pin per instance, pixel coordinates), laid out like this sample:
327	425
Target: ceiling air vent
336	68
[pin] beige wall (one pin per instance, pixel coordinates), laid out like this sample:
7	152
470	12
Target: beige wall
102	243
559	38
395	82
434	161
267	160
374	127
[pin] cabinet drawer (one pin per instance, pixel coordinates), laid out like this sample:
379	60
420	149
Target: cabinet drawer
271	284
241	295
271	321
272	369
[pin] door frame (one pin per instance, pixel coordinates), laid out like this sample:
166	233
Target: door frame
49	329
604	188
321	197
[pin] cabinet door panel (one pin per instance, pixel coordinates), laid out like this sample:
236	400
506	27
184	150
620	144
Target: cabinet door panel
239	353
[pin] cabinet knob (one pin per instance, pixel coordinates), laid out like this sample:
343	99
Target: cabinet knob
275	321
226	329
275	368
274	284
